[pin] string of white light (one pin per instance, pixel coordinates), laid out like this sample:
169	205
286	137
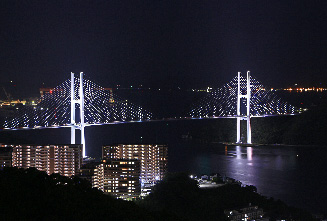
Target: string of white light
222	101
101	106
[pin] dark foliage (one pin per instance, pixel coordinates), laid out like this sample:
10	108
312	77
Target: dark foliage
220	130
176	194
180	195
270	130
308	128
33	195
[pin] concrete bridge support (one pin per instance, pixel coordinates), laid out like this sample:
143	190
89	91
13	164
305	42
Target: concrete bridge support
240	117
80	101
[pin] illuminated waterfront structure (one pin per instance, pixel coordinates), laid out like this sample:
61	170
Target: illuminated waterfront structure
63	159
247	213
98	105
118	177
153	160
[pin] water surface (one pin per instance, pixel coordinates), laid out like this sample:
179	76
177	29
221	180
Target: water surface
294	174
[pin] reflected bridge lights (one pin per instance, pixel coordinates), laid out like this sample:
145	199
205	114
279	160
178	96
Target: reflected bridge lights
249	152
239	154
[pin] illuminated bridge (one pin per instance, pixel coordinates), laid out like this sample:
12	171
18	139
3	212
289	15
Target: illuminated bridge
241	98
79	102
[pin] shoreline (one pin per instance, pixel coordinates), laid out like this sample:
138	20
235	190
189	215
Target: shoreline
257	144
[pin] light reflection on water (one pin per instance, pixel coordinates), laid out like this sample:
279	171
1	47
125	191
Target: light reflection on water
249	153
283	172
296	175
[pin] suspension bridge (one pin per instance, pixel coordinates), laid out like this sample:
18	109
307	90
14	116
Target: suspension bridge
242	98
79	102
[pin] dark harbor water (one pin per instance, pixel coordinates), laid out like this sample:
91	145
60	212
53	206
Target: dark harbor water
294	174
282	172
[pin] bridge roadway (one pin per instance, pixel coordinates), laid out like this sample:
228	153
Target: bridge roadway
144	121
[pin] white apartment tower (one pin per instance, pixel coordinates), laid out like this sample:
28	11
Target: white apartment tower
153	160
63	159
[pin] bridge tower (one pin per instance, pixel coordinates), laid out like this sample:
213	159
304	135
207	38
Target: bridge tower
75	125
240	117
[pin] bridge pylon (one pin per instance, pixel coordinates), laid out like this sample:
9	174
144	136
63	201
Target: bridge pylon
240	117
74	124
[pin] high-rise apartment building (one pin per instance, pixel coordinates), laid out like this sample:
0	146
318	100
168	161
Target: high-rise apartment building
5	157
119	177
63	159
87	170
153	160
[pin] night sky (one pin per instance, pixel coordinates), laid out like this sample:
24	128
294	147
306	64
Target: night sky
190	44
